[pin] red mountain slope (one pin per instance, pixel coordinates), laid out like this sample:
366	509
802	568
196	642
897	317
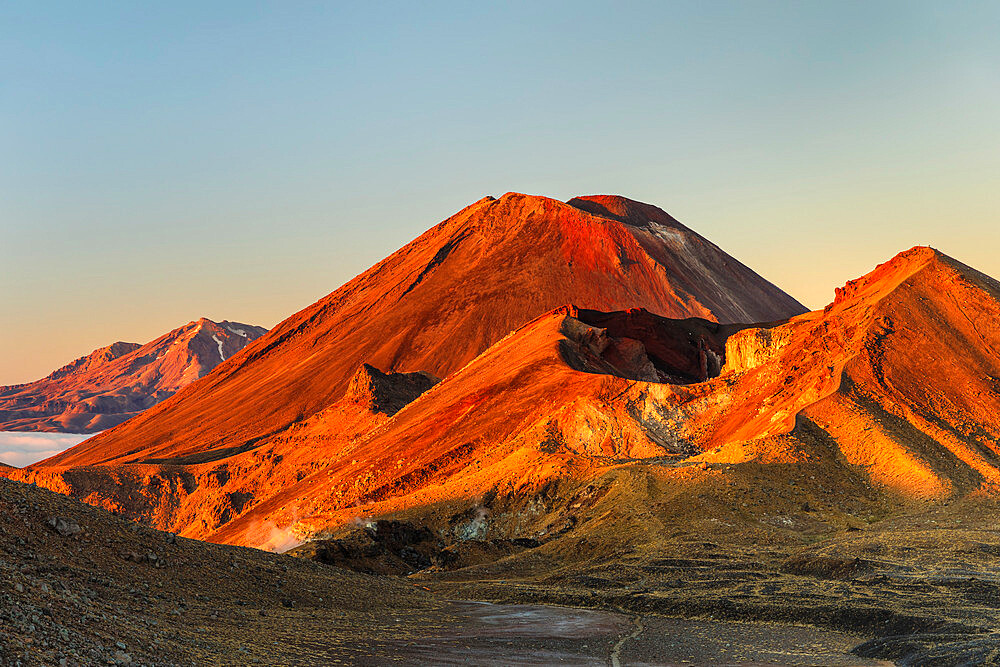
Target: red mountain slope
440	301
114	383
513	407
542	404
886	397
891	392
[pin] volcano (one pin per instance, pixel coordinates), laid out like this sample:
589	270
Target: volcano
114	383
436	304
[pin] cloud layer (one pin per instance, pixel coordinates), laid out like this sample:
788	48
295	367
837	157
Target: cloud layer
21	448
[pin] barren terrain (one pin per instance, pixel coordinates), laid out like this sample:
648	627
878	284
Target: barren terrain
836	469
79	586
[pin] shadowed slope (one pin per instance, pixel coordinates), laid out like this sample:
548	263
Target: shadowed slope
116	382
437	303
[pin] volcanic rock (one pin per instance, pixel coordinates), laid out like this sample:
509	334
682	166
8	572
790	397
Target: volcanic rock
65	527
386	393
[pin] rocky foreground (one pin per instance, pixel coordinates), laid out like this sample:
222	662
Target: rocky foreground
81	586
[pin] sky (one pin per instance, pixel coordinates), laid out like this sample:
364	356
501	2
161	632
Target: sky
19	449
161	161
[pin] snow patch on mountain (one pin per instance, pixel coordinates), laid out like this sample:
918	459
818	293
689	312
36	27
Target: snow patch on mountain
219	343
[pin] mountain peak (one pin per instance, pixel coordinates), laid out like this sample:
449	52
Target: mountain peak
440	301
623	209
201	323
889	275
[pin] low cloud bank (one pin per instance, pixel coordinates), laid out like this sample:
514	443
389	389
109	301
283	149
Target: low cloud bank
21	448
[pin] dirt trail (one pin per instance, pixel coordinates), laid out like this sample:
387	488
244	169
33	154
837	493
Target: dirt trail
615	657
502	635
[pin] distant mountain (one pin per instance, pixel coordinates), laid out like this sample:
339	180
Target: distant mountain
114	383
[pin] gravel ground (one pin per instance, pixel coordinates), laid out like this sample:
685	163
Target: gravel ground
79	585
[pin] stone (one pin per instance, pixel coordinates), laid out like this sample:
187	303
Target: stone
65	527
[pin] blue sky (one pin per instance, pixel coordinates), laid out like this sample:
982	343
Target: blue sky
166	161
